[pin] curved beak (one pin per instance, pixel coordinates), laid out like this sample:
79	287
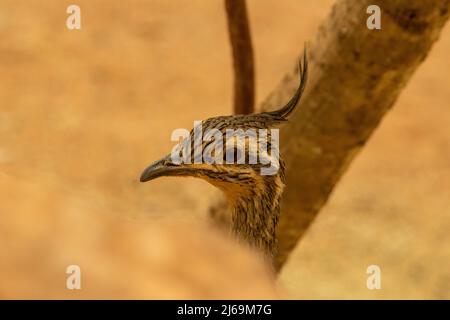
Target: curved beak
160	168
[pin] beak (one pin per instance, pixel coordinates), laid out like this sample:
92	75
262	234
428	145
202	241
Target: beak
163	167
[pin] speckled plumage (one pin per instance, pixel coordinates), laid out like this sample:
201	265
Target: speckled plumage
254	199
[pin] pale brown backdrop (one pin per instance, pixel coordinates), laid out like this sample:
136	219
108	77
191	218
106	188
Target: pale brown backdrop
83	112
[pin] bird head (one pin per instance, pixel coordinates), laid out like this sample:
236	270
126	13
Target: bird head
233	153
237	154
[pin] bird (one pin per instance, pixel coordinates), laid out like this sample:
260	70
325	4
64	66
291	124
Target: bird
253	198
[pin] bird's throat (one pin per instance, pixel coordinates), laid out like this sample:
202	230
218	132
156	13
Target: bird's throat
254	217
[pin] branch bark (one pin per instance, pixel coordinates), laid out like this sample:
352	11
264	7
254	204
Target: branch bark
241	45
356	75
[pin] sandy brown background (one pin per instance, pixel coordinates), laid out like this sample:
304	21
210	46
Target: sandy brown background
83	112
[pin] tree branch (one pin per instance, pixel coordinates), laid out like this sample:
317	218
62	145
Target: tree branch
241	44
356	75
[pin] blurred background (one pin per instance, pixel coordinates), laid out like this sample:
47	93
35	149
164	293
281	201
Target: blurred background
83	112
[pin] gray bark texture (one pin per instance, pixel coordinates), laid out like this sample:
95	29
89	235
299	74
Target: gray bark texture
355	77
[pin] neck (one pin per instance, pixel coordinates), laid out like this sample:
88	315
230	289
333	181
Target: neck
255	212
